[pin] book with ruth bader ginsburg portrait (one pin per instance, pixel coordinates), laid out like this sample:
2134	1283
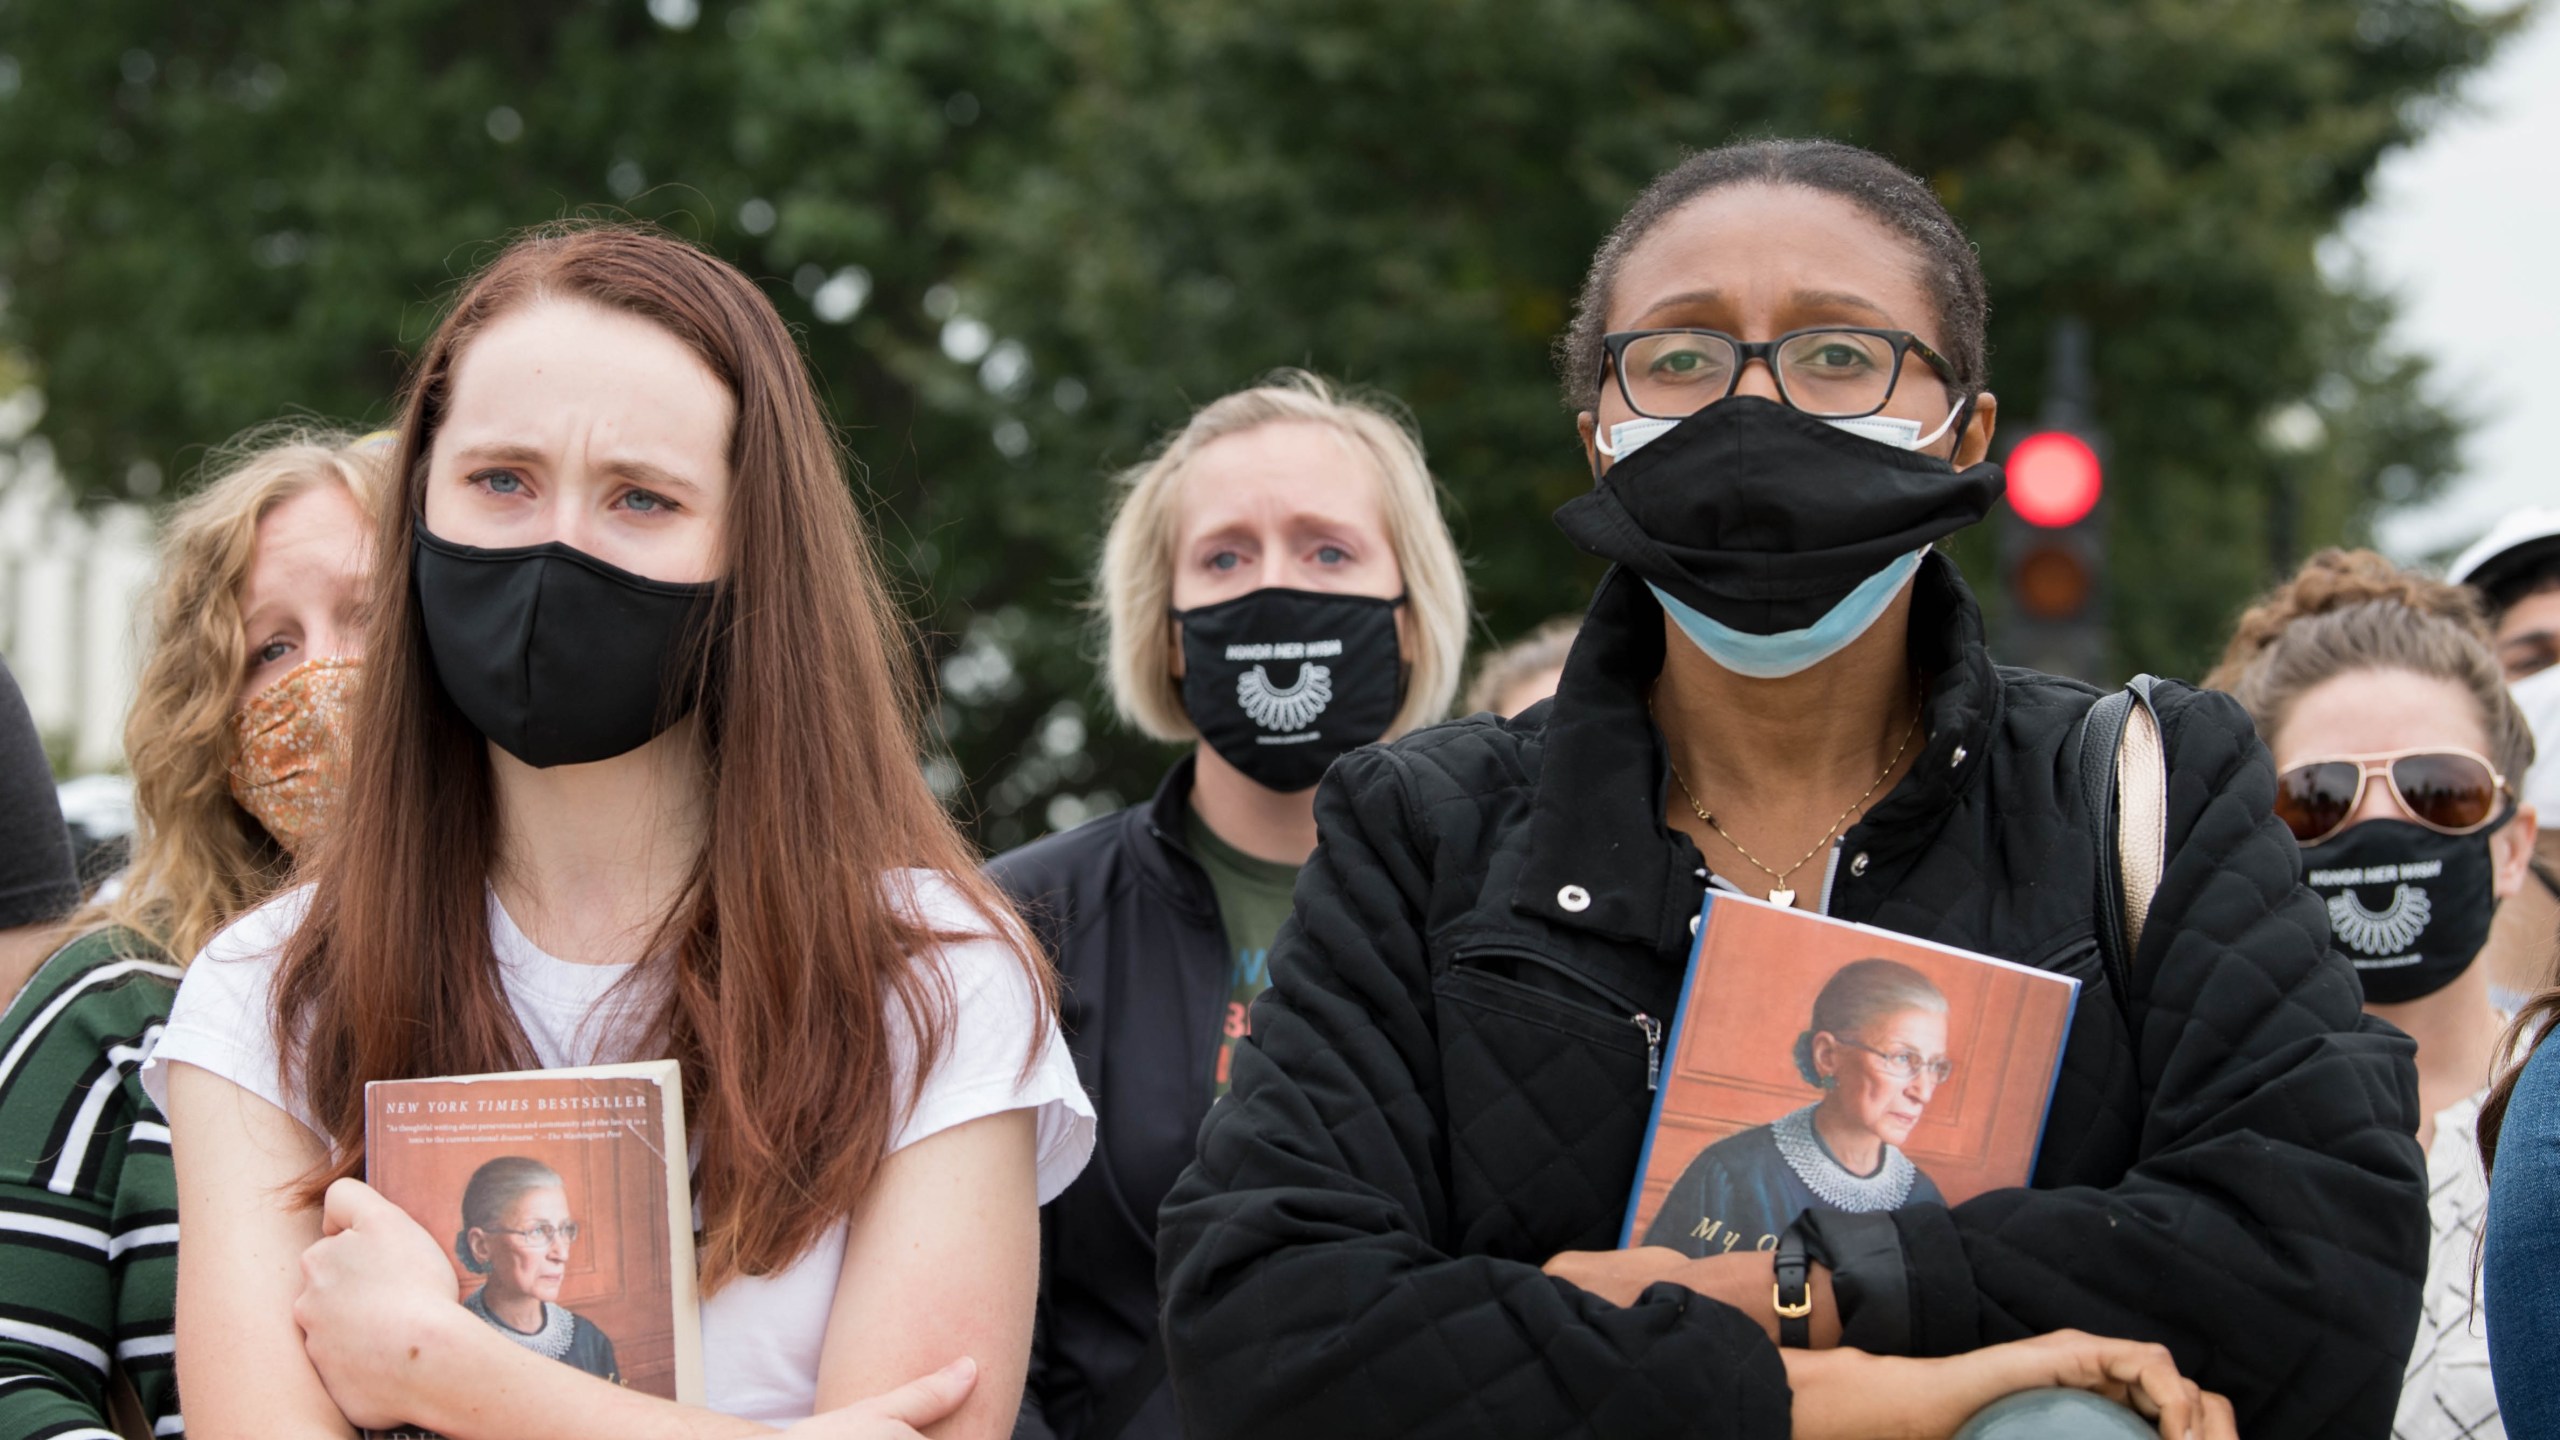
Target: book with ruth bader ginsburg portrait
1815	1063
564	1201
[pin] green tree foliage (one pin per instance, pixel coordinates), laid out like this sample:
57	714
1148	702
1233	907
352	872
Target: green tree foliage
1024	237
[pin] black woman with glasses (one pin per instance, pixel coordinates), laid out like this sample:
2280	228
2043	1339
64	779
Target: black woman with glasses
2394	737
1402	1220
1875	1048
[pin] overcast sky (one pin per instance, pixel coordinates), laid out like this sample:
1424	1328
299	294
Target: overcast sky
2466	229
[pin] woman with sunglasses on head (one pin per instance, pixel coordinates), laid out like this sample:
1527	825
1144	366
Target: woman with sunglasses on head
634	776
1401	1219
2394	737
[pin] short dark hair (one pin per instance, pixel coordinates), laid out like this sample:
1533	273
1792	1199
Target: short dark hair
2519	582
1900	200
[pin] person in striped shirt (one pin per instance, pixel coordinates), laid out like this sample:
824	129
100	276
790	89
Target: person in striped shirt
232	740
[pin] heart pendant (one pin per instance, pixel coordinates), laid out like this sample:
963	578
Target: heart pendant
1782	896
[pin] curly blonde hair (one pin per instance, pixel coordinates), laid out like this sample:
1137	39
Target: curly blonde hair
2349	610
199	860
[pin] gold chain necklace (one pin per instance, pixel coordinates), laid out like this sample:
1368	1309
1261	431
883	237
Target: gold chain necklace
1779	893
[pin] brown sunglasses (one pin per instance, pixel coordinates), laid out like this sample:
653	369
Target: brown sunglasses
2452	792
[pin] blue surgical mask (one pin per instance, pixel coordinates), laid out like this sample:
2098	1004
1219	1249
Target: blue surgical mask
1791	652
1628	436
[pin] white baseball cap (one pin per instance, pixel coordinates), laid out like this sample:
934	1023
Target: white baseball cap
2524	540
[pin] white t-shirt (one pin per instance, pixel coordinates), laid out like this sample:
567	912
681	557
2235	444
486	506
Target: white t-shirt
2447	1393
761	1336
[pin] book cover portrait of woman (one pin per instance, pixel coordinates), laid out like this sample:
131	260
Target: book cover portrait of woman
516	1231
1877	1050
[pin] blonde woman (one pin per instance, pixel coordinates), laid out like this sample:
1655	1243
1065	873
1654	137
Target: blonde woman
233	743
1278	587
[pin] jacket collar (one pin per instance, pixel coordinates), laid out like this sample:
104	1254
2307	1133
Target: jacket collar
1600	857
1169	862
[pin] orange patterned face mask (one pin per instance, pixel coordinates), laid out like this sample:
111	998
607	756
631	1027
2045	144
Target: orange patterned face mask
292	749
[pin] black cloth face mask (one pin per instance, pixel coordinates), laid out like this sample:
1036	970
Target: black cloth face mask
1282	682
555	655
2409	905
1764	518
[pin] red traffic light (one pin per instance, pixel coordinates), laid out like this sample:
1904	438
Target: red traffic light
2053	479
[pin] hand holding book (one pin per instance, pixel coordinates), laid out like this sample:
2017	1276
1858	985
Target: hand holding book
374	1288
1818	1065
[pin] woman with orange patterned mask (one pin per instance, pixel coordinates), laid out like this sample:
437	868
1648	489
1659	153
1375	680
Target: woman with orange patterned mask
259	612
235	741
300	616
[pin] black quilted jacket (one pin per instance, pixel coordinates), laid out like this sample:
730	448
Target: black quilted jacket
1445	1085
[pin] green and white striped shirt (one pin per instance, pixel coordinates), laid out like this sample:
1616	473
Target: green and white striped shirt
88	1201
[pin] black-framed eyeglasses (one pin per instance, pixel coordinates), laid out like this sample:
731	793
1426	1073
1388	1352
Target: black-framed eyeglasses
1906	1065
1835	372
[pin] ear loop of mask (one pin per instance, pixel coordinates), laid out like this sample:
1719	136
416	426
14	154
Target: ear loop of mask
1963	409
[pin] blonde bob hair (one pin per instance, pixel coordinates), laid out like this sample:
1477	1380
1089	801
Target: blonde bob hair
199	860
1136	580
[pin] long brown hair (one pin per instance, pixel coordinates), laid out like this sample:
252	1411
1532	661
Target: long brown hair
199	860
791	941
2525	1033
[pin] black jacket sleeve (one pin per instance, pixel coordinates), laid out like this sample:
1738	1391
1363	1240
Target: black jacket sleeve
2272	1230
1308	1287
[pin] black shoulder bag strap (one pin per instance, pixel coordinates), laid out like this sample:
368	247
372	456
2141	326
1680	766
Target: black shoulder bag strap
1130	1393
2124	792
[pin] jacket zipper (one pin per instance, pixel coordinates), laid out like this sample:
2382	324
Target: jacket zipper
1644	1023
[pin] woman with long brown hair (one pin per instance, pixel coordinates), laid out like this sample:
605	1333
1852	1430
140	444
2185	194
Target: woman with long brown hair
635	776
235	738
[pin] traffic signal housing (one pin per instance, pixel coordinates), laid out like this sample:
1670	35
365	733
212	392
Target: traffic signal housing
2053	554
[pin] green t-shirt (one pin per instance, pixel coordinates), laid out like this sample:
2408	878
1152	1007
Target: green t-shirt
1253	898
